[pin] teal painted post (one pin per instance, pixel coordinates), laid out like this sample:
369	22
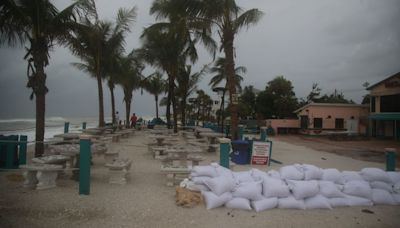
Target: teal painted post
10	155
23	141
66	127
84	125
390	159
84	167
241	129
224	148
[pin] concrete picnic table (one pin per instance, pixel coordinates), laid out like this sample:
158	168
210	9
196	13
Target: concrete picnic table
211	136
40	176
160	139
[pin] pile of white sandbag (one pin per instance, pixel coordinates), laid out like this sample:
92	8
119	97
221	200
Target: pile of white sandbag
299	186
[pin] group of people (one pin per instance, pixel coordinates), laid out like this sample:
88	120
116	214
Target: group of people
133	119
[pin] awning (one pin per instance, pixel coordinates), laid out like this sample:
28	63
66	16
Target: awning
385	116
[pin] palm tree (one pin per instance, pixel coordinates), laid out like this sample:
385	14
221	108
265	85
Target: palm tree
229	18
219	74
129	77
186	85
175	41
98	43
42	24
155	85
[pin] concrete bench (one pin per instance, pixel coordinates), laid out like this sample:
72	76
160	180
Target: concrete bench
40	176
175	174
110	156
118	170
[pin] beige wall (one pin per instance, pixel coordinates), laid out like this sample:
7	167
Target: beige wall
275	123
334	112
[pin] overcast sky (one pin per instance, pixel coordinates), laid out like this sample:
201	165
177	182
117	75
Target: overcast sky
339	44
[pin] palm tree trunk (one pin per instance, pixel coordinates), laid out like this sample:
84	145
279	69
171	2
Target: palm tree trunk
127	112
111	87
183	111
228	37
101	106
40	94
156	98
168	111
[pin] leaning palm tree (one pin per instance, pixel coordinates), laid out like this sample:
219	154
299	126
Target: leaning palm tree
99	43
41	24
155	85
229	18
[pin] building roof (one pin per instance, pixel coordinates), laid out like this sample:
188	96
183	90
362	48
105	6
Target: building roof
397	75
330	105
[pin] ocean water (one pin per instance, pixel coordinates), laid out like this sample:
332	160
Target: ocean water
53	125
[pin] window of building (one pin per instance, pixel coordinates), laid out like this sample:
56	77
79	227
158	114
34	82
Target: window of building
339	123
317	122
390	103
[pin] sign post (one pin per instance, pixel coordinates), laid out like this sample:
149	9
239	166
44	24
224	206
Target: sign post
261	152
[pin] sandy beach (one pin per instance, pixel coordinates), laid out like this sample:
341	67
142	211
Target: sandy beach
146	201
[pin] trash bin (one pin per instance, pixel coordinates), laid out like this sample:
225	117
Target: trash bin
240	152
9	152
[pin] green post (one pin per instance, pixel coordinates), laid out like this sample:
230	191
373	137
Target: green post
23	140
66	127
263	136
84	125
390	159
224	148
84	167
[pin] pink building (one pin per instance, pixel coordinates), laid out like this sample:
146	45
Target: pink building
317	118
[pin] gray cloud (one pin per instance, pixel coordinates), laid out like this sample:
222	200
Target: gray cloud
338	44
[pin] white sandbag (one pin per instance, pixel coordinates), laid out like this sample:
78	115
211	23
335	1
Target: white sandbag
358	188
214	201
274	188
291	203
375	174
204	170
222	171
358	201
347	176
394	177
238	203
396	188
339	202
380	196
291	172
258	174
265	204
274	174
331	175
329	189
396	198
244	176
317	202
220	185
312	172
303	189
381	185
200	179
248	190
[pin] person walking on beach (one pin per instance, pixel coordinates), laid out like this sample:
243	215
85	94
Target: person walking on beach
133	120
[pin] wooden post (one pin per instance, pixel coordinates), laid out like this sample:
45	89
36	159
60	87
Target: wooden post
23	141
66	127
224	152
84	167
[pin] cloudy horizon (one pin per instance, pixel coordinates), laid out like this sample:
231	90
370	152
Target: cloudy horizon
337	44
